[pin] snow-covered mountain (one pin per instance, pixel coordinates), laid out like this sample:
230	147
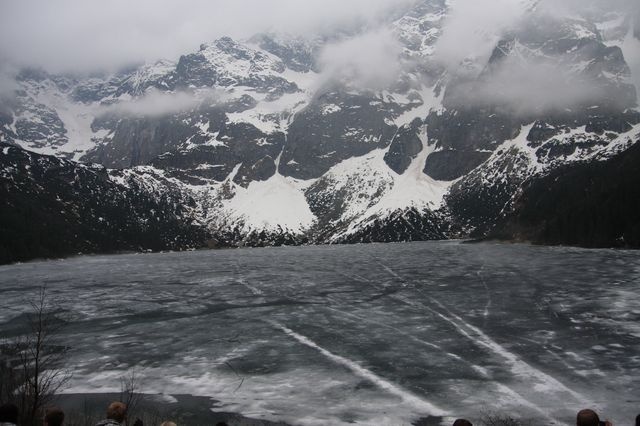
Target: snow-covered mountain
272	143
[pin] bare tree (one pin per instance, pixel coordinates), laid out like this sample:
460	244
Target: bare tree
34	363
130	392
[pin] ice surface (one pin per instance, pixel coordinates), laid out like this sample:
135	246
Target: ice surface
365	334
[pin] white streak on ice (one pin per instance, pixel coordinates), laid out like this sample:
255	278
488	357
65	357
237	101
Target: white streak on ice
357	369
486	287
404	333
543	382
518	366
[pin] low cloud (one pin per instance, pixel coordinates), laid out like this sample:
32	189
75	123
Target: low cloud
526	84
529	87
370	61
82	35
472	30
155	103
631	50
8	84
588	8
473	27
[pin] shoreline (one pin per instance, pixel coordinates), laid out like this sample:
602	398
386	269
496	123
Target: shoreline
153	409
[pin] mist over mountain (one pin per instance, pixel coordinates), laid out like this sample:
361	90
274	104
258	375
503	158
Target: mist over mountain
327	122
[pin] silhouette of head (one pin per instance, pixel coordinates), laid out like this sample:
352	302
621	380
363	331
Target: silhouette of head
8	413
587	418
462	422
117	411
54	417
638	420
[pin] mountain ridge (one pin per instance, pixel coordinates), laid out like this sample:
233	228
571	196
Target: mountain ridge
274	146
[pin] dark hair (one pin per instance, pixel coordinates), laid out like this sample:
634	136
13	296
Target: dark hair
638	420
54	417
462	422
587	418
117	411
9	413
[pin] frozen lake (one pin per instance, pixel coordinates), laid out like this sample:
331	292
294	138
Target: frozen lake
371	334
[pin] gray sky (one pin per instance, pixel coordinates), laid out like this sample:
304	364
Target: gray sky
82	35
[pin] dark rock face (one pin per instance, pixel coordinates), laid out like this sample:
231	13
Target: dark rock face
541	132
471	129
194	69
404	148
97	89
30	131
261	170
589	205
136	141
555	149
465	139
296	55
203	70
619	123
198	164
51	208
238	144
335	127
451	164
200	143
47	131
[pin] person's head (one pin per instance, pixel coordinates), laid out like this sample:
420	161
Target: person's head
587	418
462	422
54	417
8	413
117	411
638	420
168	424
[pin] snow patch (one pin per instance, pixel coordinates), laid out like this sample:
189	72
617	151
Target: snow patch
270	116
275	204
430	102
331	109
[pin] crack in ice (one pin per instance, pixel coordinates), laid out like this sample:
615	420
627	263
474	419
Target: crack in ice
486	287
517	365
362	372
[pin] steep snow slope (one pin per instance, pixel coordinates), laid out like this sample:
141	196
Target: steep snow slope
275	205
372	191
